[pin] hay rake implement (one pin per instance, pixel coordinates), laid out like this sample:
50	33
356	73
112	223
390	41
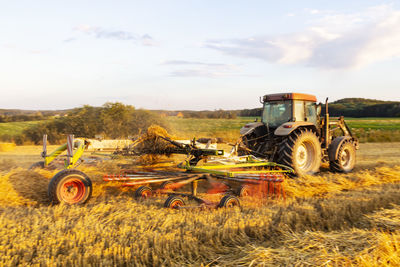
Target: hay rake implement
230	180
218	174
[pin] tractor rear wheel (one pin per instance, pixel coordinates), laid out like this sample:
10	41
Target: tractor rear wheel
70	187
301	150
346	158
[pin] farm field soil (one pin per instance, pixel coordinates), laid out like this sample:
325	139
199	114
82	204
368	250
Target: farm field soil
328	219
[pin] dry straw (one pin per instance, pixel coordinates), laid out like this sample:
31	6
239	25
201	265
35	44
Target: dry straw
21	187
327	220
5	147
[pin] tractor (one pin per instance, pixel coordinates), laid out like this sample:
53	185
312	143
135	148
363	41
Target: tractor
292	132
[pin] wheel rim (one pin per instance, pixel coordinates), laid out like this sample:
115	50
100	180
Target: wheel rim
345	158
244	192
146	194
176	204
305	155
231	203
72	191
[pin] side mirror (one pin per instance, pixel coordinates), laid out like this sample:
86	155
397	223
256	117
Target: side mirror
319	106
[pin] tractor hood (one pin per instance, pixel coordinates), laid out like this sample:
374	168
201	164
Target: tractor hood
248	128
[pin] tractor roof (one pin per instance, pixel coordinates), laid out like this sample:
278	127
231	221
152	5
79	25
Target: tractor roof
289	96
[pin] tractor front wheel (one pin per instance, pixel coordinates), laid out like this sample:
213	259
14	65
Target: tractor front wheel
346	158
70	187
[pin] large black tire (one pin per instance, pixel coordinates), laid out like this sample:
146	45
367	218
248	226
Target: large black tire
229	201
346	158
174	202
70	186
301	150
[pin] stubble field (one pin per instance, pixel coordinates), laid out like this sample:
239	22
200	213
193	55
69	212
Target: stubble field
328	219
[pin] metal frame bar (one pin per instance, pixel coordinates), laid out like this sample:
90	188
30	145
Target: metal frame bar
69	163
216	169
77	154
59	150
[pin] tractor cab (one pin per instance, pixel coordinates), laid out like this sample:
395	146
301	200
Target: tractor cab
291	107
282	113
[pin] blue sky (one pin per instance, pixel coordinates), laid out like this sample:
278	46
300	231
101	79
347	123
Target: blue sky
195	54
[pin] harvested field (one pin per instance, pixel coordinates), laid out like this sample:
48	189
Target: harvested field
328	219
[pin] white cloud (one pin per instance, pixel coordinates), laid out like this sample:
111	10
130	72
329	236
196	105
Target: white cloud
184	62
202	69
197	73
69	40
313	11
333	41
101	33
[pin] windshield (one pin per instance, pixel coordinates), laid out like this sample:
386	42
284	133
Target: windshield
276	113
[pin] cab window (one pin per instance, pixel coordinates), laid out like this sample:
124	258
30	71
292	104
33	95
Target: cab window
311	112
276	113
299	110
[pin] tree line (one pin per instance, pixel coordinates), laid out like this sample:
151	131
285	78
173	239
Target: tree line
375	110
348	107
22	117
112	120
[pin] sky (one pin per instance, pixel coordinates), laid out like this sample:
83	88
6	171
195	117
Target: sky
198	55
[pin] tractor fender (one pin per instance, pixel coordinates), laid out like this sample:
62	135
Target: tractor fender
333	147
288	127
250	127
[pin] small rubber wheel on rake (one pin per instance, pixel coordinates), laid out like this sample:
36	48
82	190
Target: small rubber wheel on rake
174	202
229	201
243	191
70	186
143	192
166	185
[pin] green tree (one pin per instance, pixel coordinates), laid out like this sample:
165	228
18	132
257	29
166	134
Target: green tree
115	118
